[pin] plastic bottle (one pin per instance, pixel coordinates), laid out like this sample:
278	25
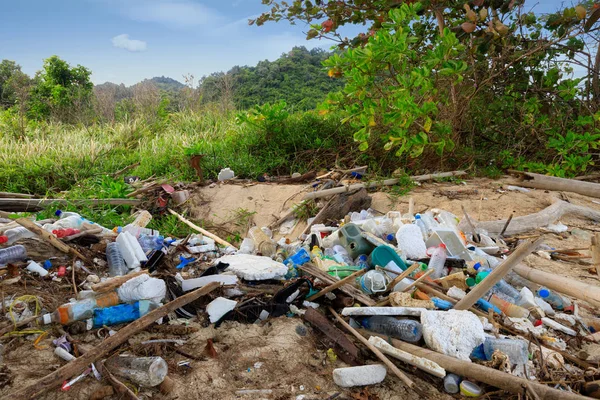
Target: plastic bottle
12	254
403	329
429	222
18	233
301	257
37	268
247	246
441	304
80	310
508	308
264	244
526	298
73	220
149	243
64	354
452	383
131	250
544	306
116	264
552	298
516	350
341	254
501	286
316	253
447	219
361	261
419	222
373	282
145	371
516	280
122	313
437	261
61	233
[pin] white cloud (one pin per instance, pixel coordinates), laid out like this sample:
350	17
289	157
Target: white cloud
174	13
133	45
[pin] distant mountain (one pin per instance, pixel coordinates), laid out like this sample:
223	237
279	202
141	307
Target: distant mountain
166	83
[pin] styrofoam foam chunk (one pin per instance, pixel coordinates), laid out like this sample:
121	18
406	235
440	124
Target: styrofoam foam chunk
190	284
219	307
253	268
410	241
359	376
454	333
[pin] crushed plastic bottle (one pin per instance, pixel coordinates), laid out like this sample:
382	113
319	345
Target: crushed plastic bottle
12	254
149	243
516	350
403	329
362	261
79	310
116	264
144	371
300	258
264	244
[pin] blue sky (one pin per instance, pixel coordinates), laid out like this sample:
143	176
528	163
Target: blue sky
125	41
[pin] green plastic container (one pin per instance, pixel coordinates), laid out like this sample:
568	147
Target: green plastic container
342	271
383	255
352	240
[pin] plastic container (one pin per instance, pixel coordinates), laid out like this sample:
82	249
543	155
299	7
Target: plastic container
37	268
300	258
342	271
12	254
73	220
469	389
437	261
131	250
149	243
362	261
486	306
452	383
385	256
340	254
116	264
419	222
18	233
516	350
264	244
64	354
508	308
353	242
316	253
402	285
508	290
247	246
80	310
122	313
144	371
403	329
551	298
373	282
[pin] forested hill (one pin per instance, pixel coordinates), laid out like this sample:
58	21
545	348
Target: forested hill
298	77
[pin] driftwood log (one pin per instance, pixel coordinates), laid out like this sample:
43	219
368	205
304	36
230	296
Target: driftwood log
538	181
526	223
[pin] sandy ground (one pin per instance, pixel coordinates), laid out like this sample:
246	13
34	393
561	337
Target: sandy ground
292	362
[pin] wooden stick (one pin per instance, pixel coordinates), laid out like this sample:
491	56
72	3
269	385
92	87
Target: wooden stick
375	351
387	182
115	282
127	168
316	218
425	275
403	275
146	188
595	250
350	290
481	373
34	203
46	236
506	225
336	285
579	290
10	195
78	365
117	384
411	206
497	274
202	231
469	222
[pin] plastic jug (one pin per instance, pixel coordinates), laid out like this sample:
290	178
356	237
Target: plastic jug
353	241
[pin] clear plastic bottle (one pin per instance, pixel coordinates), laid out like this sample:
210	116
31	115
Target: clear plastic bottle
373	282
12	254
419	222
516	280
150	243
551	298
508	308
341	254
247	246
80	310
18	233
116	264
403	329
447	219
122	313
516	350
73	220
452	383
361	261
437	261
507	290
145	371
265	245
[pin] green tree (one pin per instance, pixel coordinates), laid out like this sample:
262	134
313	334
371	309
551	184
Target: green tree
61	91
7	69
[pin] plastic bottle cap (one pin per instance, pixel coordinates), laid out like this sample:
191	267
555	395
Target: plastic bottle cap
362	257
538	322
58	212
442	245
3	239
470	282
47	264
389	237
418	216
477	266
544	293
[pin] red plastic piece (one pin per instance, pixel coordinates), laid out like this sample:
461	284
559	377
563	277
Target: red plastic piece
62	271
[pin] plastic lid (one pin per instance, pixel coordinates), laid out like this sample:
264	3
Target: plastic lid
543	292
3	239
477	266
58	212
362	257
469	389
418	216
470	282
389	237
442	245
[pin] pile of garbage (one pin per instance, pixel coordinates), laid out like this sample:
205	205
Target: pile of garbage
438	295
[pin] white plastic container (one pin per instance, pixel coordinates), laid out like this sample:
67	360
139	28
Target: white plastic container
37	268
130	250
454	245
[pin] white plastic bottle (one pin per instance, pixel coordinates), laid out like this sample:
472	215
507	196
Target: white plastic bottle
437	261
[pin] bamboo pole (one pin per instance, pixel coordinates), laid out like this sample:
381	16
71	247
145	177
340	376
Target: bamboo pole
375	351
201	230
497	274
336	285
78	365
387	182
483	374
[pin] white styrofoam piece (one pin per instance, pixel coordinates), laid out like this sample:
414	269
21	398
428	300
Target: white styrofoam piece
556	326
359	376
453	332
191	284
219	307
419	362
253	268
410	241
363	311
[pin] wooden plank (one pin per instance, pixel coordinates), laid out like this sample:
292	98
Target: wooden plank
77	366
350	290
539	181
337	284
202	231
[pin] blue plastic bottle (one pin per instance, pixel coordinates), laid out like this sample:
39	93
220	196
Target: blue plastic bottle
122	313
441	304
